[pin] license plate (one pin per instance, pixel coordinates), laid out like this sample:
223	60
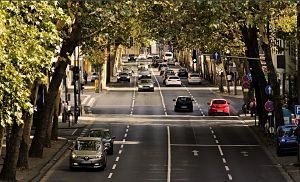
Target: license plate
219	111
184	107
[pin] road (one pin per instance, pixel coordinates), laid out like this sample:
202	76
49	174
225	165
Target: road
154	143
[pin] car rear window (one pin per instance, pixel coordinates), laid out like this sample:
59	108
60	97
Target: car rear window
173	77
287	131
194	76
168	54
219	102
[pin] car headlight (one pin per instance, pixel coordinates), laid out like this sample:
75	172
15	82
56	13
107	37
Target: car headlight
149	75
99	156
73	156
118	77
140	86
127	76
283	140
151	85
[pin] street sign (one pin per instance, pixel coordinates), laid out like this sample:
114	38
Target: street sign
246	85
249	76
194	60
216	56
297	109
195	152
245	78
268	90
269	106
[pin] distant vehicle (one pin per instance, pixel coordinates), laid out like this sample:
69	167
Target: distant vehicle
107	139
123	76
183	103
155	56
94	76
128	70
173	81
155	62
125	59
183	72
162	66
151	56
168	55
194	78
167	73
143	66
88	152
286	140
142	57
218	107
131	57
146	85
171	61
144	74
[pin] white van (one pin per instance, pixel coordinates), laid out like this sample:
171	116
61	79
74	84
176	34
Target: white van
168	55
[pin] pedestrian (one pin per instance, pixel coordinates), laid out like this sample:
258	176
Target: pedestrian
85	75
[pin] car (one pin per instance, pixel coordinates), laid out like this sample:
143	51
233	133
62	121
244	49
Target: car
128	70
162	66
167	73
94	76
183	103
218	107
286	139
155	62
171	61
146	85
131	57
168	55
107	138
88	152
125	59
173	81
143	66
194	78
183	72
123	76
144	74
142	57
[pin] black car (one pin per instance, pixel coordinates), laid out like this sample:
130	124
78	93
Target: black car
182	72
183	103
107	139
123	76
131	57
286	139
155	62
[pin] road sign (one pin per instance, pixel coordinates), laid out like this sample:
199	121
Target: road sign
246	85
216	56
194	60
195	152
297	109
269	106
268	90
245	78
249	76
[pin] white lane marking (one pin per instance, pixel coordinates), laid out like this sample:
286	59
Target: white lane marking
220	150
110	175
74	131
125	135
169	156
120	151
224	160
229	177
85	99
133	98
215	136
126	130
217	141
122	146
210	128
213	145
212	131
127	126
91	102
227	168
160	92
123	140
114	166
117	159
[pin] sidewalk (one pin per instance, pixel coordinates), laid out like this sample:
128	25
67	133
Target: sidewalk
39	166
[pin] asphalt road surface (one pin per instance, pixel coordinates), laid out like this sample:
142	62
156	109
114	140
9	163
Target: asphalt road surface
154	143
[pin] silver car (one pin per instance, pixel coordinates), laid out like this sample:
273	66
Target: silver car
146	85
88	152
144	74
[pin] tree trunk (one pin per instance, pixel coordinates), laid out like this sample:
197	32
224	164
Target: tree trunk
108	65
2	129
8	172
57	112
24	147
68	47
298	54
250	39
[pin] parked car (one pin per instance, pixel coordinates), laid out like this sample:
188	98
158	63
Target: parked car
183	103
142	57
125	59
146	85
107	138
183	73
218	107
88	152
173	81
123	76
144	74
286	139
94	76
131	57
194	78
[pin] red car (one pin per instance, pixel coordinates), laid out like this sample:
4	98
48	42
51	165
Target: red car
218	107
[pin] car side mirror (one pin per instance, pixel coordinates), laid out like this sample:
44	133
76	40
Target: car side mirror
113	137
174	99
208	103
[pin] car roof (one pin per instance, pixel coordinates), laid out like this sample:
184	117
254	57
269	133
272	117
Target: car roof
184	96
89	138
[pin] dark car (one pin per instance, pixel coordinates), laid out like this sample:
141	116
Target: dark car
155	62
182	72
183	103
107	139
286	139
88	152
123	76
131	57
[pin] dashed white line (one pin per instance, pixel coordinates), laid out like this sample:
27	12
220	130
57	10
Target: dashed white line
217	141
212	131
117	159
126	130
120	151
227	168
169	156
215	136
123	140
229	177
127	126
125	135
224	160
220	150
74	131
122	146
114	166
110	175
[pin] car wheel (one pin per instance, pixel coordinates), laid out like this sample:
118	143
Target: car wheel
71	168
175	109
110	151
191	110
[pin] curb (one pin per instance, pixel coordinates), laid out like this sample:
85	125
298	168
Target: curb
49	163
280	167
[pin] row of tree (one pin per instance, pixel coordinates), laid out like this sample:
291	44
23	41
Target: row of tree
31	31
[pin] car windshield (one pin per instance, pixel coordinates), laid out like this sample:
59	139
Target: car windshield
219	102
100	133
168	54
173	77
94	74
123	74
287	131
146	81
91	145
194	75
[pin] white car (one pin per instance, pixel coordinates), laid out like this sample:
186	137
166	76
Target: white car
173	81
144	74
143	66
142	57
168	55
194	78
